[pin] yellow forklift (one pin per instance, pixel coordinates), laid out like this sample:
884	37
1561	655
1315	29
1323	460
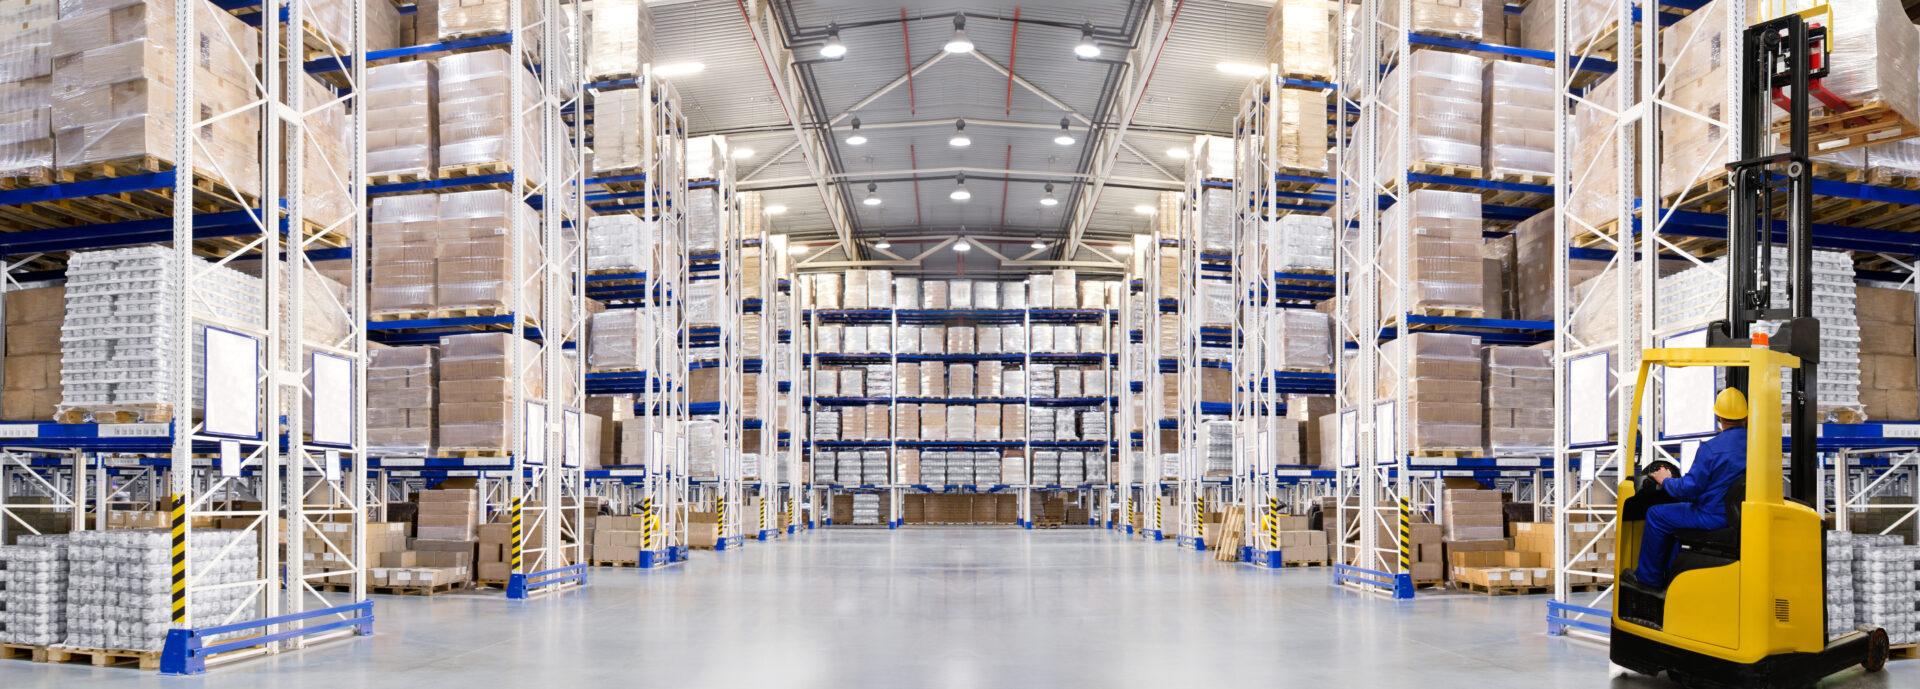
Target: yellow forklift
1746	605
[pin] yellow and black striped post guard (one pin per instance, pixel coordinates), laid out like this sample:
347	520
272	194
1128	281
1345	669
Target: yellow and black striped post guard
1406	536
179	572
514	560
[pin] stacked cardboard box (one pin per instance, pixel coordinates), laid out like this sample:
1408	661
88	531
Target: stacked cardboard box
1429	561
1444	393
405	231
327	195
32	373
1888	386
1533	269
1473	515
1457	18
1300	38
1444	233
26	83
1300	340
1596	168
1493	570
476	393
401	401
113	90
475	115
474	242
403	120
1446	111
1589	553
1518	120
619	41
1519	401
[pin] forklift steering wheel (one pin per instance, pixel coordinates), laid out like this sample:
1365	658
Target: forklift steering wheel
1647	484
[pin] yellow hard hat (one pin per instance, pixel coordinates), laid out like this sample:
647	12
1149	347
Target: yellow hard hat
1730	405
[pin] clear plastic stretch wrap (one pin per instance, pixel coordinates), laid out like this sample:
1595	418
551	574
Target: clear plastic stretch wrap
960	294
906	293
619	39
403	119
333	21
1519	401
1518	120
1300	340
116	338
1093	295
474	252
1217	305
826	290
1217	209
986	295
1691	148
401	398
1595	161
1040	291
1301	141
1875	57
1300	38
26	88
619	242
476	388
113	90
1446	111
475	117
1444	395
703	222
462	18
613	340
118	588
1300	243
33	590
1064	281
1445	250
1458	18
327	200
618	142
405	231
703	450
1013	295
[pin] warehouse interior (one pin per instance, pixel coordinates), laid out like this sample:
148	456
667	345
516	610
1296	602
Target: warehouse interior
1064	342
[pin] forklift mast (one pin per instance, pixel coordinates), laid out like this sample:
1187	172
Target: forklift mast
1782	61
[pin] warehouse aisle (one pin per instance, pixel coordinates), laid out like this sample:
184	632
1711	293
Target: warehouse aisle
938	607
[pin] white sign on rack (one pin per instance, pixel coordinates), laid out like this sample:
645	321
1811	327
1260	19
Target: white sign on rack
1350	438
570	437
19	430
230	458
1587	399
1687	392
1386	431
533	433
232	384
333	465
333	406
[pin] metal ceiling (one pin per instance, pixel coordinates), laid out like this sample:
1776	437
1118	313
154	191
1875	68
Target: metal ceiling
1012	127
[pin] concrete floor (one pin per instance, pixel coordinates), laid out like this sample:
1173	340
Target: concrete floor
938	607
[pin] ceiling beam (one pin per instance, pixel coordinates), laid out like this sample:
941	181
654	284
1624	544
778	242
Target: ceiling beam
816	165
1140	77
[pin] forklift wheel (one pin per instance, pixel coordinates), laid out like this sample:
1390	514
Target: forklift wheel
1877	651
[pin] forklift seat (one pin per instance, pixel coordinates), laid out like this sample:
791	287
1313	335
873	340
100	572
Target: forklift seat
1701	548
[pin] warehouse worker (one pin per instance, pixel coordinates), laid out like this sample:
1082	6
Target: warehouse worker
1702	493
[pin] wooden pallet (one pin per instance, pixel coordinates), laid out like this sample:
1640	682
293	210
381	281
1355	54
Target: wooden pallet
1502	590
434	590
616	563
141	413
1304	563
1904	652
1869	124
1429	583
1604	45
23	652
405	177
1707	194
489	583
474	170
473	452
28	177
1394	319
211	196
98	657
1446	452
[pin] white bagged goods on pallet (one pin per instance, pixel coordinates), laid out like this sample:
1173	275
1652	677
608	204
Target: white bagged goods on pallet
618	41
857	289
1218	439
830	338
1073	469
853	382
703	450
856	339
1064	427
826	383
1043	381
706	156
1096	471
1448	274
824	468
826	425
116	340
960	418
826	290
1093	295
988	340
866	509
879	380
1217	305
1010	471
704	225
1013	338
1013	383
1046	467
960	294
1093	383
1217	209
1699	295
34	577
873	468
1446	113
1040	424
703	302
1043	338
1886	586
1092	338
1063	287
933	294
614	340
619	242
933	468
1169	465
1839	583
933	339
118	589
1013	295
1093	425
906	293
986	295
1040	291
1066	382
1299	242
1518	120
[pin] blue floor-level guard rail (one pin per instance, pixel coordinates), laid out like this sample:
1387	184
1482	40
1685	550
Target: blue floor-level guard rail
521	586
1400	585
186	650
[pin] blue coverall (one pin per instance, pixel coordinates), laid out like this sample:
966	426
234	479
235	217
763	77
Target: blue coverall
1716	466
